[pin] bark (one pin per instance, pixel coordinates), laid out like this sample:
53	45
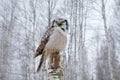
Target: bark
55	74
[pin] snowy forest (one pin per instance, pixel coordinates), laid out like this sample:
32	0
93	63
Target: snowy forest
93	48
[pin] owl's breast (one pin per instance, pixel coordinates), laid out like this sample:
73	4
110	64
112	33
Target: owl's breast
57	41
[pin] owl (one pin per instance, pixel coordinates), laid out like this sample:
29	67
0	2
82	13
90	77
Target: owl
53	43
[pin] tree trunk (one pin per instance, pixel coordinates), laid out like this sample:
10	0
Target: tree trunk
55	74
107	40
55	70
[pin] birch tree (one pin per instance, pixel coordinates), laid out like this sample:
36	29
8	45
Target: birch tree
107	39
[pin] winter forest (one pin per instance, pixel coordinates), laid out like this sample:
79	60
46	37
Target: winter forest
93	48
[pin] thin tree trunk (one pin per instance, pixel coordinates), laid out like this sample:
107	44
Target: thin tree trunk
107	40
49	13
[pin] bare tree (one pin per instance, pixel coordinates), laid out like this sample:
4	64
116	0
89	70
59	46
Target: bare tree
107	39
7	26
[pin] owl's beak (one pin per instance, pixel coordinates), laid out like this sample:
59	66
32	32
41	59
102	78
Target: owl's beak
59	23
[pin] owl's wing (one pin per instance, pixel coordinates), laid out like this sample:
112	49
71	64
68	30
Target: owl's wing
43	42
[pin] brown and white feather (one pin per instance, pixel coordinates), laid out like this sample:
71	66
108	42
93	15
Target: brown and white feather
43	42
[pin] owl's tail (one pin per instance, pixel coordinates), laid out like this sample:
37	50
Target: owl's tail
43	58
36	54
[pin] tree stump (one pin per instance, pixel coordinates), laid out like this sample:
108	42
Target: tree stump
55	71
55	74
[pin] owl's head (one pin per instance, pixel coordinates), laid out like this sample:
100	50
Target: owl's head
60	22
